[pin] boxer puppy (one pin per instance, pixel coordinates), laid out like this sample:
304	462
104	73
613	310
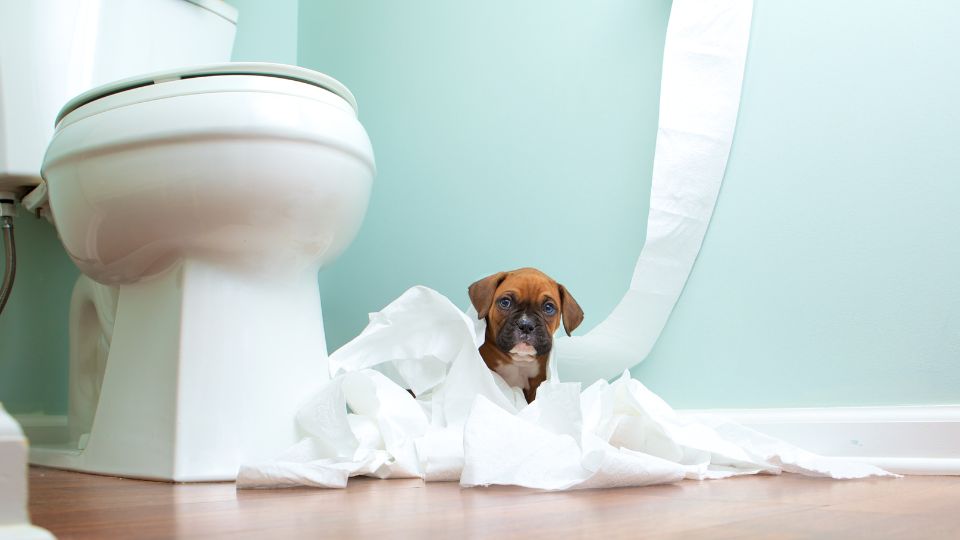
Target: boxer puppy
523	309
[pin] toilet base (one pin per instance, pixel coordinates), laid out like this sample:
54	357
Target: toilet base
207	368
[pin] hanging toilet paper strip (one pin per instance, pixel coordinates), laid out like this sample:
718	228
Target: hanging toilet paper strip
703	63
466	423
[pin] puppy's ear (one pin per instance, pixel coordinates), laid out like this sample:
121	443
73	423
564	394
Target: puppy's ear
570	309
481	293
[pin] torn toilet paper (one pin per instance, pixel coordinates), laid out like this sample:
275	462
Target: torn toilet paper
466	423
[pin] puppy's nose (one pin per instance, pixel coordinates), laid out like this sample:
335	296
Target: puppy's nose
525	324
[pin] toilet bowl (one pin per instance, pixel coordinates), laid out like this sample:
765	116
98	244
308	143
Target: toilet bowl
209	197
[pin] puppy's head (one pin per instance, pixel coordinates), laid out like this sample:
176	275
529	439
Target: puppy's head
523	309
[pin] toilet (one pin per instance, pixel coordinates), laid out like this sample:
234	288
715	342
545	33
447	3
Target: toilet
199	202
209	197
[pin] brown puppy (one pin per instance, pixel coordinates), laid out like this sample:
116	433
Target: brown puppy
523	309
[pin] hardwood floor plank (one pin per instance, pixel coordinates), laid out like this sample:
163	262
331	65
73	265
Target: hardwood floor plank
74	505
829	524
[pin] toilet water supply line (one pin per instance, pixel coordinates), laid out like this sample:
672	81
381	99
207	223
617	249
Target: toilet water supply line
8	210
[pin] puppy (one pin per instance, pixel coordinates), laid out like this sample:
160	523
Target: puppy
523	309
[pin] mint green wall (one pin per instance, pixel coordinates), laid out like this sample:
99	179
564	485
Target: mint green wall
831	271
506	134
266	31
521	133
33	327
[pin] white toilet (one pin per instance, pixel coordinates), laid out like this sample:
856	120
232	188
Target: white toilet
208	197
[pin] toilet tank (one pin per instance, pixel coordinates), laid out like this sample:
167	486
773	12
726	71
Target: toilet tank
52	50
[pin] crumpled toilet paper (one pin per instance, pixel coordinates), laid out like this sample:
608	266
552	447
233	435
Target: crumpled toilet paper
466	423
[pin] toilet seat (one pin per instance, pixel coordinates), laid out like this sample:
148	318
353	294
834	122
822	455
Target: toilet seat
235	77
160	133
219	79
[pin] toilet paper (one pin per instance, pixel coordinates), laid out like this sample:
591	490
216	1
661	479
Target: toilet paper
467	424
703	63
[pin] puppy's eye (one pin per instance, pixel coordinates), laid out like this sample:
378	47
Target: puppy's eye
504	303
549	308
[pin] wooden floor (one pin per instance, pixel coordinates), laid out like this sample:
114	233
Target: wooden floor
73	505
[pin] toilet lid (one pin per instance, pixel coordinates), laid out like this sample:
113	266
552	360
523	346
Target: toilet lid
265	69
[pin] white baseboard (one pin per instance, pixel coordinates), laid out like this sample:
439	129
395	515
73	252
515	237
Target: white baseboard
906	439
